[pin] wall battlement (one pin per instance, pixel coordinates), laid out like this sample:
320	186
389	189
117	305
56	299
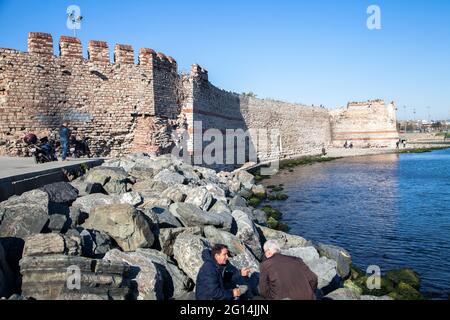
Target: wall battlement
124	106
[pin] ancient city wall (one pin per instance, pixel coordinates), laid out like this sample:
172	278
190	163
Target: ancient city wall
112	103
365	124
291	128
123	106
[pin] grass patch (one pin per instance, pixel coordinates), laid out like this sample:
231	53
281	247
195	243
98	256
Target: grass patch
303	161
421	150
399	284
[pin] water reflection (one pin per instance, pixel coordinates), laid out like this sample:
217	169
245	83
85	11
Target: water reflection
387	210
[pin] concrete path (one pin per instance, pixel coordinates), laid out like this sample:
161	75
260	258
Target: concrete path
10	167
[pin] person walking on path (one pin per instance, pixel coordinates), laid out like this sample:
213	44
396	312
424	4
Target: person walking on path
64	134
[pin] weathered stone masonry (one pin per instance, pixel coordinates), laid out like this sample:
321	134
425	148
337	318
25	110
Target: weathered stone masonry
125	107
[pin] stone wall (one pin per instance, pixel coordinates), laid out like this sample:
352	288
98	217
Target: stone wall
365	124
298	130
112	103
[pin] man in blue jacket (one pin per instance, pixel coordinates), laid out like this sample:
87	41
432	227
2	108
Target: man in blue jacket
217	279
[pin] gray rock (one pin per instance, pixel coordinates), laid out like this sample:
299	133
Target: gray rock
168	236
247	232
200	197
113	180
165	218
142	173
189	173
150	188
133	198
259	217
60	192
89	202
127	226
188	250
285	240
338	254
342	294
51	243
126	164
385	298
147	276
169	177
325	269
207	174
217	193
46	278
21	216
59	223
259	190
76	217
191	216
237	201
95	244
80	184
176	193
304	253
246	179
217	236
176	283
220	206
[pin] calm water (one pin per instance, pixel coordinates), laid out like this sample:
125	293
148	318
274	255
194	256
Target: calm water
386	210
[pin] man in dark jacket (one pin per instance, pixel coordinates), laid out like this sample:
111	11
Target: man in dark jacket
216	279
64	134
284	277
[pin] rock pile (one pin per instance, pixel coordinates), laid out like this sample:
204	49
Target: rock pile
136	228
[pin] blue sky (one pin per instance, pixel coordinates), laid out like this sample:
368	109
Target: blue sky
312	52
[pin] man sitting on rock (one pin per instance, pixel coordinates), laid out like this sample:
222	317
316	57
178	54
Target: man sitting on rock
217	279
283	277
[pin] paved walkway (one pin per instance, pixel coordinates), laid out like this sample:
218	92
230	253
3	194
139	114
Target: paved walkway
10	167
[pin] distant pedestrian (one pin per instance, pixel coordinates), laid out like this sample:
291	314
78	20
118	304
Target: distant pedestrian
346	144
324	151
64	134
283	277
398	144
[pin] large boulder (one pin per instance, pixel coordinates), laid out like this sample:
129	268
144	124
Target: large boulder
164	217
113	180
95	244
188	251
176	193
176	283
219	207
284	239
89	202
342	294
326	271
217	192
62	277
51	243
200	197
127	226
169	177
304	253
147	276
133	198
21	216
237	201
168	236
338	254
191	216
247	232
61	192
246	179
6	276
